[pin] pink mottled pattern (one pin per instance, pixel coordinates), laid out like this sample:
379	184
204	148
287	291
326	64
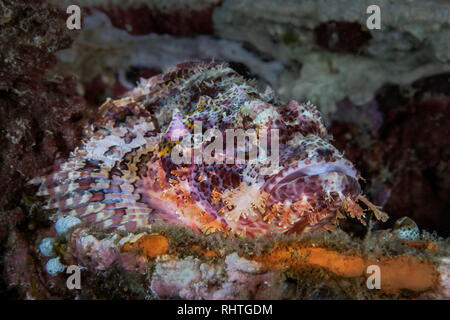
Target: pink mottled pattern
124	178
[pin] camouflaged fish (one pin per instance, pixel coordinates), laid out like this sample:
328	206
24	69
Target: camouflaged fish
124	175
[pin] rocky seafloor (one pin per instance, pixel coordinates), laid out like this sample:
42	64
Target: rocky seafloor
389	116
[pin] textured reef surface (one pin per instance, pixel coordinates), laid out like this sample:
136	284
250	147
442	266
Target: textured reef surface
169	262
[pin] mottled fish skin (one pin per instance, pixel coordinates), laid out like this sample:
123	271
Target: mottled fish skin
123	176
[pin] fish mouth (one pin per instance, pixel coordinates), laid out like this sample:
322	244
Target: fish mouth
318	169
320	179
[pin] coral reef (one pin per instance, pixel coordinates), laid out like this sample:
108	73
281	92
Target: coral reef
422	166
317	51
39	119
33	132
316	34
170	262
104	58
404	156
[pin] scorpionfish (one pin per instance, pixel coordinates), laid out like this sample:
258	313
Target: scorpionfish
124	176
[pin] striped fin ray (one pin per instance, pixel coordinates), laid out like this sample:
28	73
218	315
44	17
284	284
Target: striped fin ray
98	198
96	183
60	173
133	221
110	212
73	201
117	218
86	184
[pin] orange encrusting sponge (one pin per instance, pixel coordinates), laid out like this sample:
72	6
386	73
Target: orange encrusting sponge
397	272
150	246
401	272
